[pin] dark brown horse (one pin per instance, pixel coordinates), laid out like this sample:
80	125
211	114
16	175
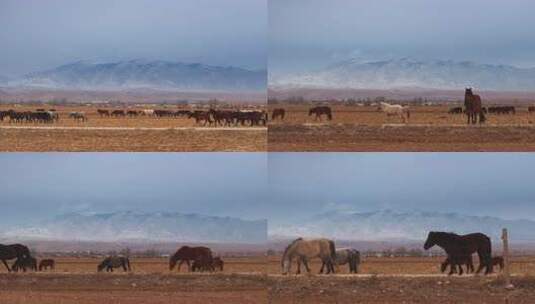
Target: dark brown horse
463	245
454	261
45	264
23	263
14	251
473	108
497	260
278	113
322	110
185	254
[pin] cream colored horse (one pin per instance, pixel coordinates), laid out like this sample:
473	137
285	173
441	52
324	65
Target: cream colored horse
302	250
396	110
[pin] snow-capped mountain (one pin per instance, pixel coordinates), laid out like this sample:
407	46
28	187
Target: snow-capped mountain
137	226
146	74
389	225
410	73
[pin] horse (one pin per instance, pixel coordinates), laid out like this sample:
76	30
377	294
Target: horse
185	254
132	113
395	110
322	110
147	112
14	251
25	262
306	249
118	113
455	110
463	245
473	109
78	116
206	263
348	256
202	116
454	261
278	113
47	263
102	112
497	260
113	262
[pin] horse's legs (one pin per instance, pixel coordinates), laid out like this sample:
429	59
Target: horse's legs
322	266
453	269
7	266
305	262
460	269
189	265
298	266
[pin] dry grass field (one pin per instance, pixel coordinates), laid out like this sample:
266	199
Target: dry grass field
142	133
244	280
430	128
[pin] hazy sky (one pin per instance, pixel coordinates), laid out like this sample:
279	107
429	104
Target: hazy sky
278	186
482	184
310	34
38	186
38	35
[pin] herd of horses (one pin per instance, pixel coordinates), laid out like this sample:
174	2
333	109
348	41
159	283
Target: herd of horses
459	250
198	259
212	117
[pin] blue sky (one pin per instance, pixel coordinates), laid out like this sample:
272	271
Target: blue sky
38	35
310	34
38	186
278	186
482	184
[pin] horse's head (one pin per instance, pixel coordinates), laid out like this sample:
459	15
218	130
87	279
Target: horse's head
285	266
311	111
101	266
172	262
468	91
431	240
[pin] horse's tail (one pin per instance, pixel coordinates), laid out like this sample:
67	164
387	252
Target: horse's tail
332	248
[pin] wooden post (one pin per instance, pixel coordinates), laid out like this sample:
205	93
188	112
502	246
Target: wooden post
506	273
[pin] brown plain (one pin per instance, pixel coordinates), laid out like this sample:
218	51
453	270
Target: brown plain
431	128
156	134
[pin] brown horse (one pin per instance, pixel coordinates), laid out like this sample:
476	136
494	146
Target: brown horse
463	245
47	263
497	260
185	254
321	111
14	251
473	108
278	113
23	263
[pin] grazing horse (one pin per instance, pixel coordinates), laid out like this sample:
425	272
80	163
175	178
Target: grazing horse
457	246
458	261
23	263
395	110
205	263
14	251
278	113
78	116
113	262
497	260
118	113
321	111
473	109
185	254
47	263
306	249
102	112
348	256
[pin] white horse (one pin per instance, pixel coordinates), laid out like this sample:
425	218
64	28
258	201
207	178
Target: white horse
148	112
396	110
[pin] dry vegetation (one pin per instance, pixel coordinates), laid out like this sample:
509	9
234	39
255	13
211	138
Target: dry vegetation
431	128
244	280
142	133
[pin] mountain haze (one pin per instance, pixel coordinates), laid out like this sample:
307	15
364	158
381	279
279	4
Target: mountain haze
411	74
138	226
390	225
145	74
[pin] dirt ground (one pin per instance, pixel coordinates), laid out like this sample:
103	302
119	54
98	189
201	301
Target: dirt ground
430	128
142	133
257	280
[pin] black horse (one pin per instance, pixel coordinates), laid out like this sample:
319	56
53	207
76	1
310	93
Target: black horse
23	263
321	111
458	246
458	261
13	251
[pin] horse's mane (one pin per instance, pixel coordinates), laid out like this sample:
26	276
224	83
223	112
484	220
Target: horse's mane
290	245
